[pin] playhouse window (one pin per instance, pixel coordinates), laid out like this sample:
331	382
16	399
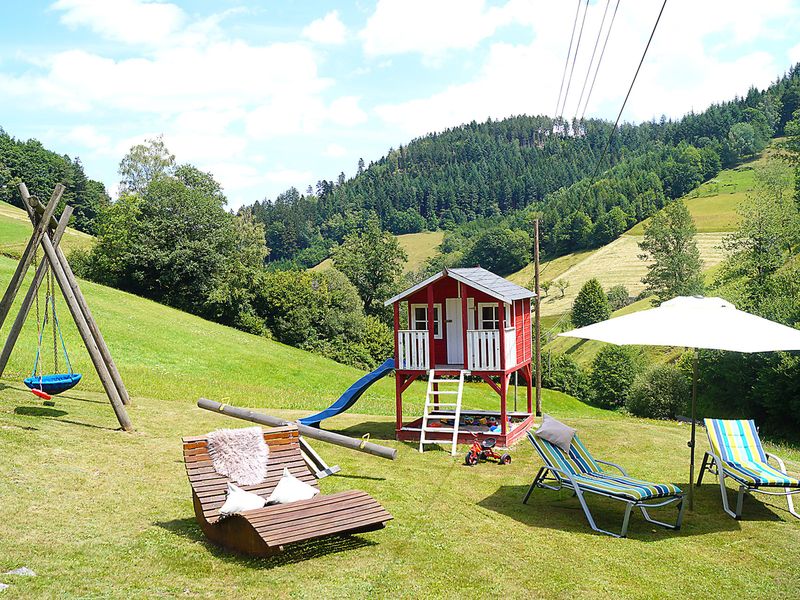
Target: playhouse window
419	319
489	317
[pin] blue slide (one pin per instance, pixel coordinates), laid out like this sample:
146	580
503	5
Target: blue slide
351	395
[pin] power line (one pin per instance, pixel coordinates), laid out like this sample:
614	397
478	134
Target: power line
622	108
575	56
566	62
600	60
591	60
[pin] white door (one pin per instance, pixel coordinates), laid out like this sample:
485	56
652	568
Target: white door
455	333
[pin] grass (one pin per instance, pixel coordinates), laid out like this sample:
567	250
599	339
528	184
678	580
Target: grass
418	246
101	513
15	231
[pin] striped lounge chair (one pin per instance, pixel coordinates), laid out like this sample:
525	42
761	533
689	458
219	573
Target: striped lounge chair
580	472
736	452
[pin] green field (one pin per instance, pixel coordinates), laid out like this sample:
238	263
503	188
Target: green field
101	513
15	231
418	246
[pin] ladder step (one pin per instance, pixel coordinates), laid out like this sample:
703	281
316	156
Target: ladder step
454	381
443	404
438	392
439	429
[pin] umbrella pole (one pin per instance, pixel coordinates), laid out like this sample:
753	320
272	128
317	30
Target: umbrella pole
691	442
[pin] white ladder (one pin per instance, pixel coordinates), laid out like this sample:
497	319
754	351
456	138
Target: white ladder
432	406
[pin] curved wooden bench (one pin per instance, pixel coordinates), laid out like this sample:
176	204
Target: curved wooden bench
265	531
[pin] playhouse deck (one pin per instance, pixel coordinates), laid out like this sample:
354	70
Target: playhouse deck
520	423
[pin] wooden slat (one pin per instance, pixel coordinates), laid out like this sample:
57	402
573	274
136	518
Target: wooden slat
313	525
330	529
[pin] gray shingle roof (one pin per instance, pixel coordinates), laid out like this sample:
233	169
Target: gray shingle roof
476	277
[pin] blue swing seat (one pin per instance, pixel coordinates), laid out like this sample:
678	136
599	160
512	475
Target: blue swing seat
53	384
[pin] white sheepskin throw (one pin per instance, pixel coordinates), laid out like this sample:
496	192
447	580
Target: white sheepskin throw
239	454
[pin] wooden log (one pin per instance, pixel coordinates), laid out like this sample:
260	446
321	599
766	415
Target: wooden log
33	201
98	336
312	432
27	302
27	256
86	334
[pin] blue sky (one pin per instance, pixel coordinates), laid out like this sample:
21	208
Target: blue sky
269	94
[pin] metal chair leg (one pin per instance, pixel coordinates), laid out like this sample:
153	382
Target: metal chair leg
790	502
740	501
705	465
724	492
533	485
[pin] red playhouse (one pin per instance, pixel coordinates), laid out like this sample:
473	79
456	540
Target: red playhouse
463	322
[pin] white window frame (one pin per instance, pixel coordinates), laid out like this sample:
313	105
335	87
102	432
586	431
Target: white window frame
509	322
437	319
481	321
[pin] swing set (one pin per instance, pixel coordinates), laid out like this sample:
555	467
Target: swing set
55	269
47	386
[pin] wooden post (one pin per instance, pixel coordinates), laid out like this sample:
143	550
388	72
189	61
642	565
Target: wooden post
39	229
431	337
398	391
503	395
464	323
83	327
27	302
501	325
537	319
95	330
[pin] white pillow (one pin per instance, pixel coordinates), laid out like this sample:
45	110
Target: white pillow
239	500
556	432
291	489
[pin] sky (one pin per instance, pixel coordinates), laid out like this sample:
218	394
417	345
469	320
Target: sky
272	94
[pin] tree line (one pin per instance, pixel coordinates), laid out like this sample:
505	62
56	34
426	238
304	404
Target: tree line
493	170
42	169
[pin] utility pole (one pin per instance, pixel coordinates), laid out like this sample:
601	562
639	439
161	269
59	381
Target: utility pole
537	322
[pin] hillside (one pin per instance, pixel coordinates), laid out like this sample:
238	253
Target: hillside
712	205
15	231
418	246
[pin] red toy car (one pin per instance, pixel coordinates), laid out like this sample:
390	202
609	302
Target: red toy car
483	451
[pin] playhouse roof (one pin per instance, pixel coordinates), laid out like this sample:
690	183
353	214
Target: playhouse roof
477	278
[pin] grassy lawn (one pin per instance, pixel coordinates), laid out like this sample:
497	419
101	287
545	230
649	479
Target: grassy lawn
15	231
418	246
100	513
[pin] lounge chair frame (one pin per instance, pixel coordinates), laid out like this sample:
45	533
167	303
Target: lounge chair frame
714	465
265	531
565	480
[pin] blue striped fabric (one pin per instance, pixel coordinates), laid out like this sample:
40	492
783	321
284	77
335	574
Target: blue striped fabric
737	443
589	476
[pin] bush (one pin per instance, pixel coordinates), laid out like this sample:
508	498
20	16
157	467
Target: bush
590	305
614	370
562	373
618	297
660	393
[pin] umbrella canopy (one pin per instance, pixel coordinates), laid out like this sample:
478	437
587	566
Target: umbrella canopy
693	322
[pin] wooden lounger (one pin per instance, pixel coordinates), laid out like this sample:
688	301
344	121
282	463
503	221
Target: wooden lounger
266	530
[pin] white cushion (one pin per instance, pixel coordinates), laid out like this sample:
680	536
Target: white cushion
291	489
239	500
556	432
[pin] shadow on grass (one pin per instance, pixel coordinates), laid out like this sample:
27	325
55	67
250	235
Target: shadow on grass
377	430
561	511
39	411
55	415
293	553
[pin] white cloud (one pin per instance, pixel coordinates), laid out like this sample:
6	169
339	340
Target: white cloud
346	111
335	151
327	30
675	78
88	136
431	28
127	21
794	54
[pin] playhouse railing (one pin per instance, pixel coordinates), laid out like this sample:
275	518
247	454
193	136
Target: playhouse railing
483	349
413	350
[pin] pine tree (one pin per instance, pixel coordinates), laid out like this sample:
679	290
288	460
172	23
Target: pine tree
669	241
590	305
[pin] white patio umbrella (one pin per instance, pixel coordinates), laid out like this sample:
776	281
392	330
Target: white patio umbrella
694	322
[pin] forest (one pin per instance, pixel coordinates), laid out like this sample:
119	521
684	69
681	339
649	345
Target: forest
497	170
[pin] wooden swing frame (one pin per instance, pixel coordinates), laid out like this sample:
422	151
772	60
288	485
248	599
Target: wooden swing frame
47	232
